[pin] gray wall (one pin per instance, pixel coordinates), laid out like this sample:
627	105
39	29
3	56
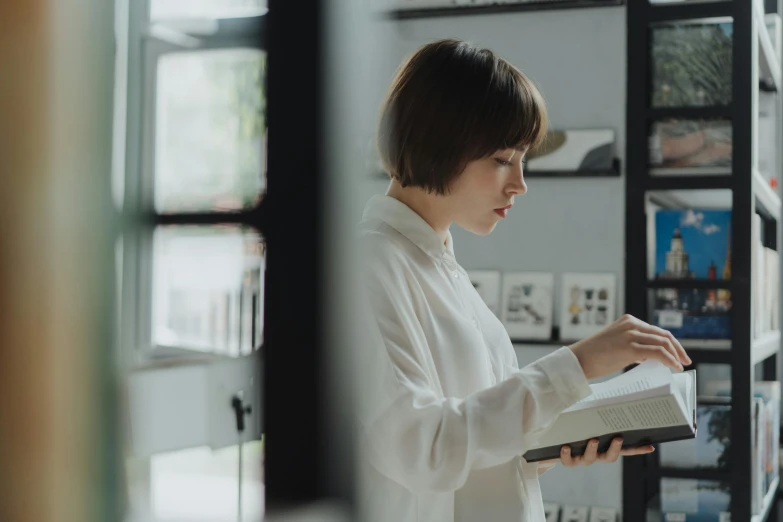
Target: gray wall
577	59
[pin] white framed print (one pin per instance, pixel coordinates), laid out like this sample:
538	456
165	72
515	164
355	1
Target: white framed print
603	514
551	512
487	284
574	514
528	305
587	304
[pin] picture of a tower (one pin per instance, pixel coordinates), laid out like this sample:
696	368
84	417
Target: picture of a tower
677	259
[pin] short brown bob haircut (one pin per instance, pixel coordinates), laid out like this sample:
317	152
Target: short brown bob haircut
452	103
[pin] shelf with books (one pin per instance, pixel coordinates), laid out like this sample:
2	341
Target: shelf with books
769	501
702	240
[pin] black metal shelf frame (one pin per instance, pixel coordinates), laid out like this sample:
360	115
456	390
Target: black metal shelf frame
641	475
539	5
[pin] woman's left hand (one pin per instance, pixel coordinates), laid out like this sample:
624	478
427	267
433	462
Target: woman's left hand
592	456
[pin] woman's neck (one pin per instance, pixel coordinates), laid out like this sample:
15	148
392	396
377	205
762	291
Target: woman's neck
430	207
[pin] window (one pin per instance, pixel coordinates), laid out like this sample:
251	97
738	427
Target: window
207	289
200	177
209	138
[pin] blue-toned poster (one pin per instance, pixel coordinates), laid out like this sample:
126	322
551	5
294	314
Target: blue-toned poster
693	244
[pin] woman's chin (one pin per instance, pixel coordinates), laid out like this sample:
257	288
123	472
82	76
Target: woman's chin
481	229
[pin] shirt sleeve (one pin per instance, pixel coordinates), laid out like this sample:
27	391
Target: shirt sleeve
418	437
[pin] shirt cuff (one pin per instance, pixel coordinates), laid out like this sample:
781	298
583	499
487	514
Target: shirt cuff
566	375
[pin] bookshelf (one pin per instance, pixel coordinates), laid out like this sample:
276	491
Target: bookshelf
753	354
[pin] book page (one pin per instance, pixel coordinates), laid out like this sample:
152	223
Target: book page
649	379
684	387
656	412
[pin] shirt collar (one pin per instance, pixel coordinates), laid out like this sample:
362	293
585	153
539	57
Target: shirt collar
404	220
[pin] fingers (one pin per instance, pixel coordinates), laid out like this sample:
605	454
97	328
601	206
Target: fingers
644	336
683	356
679	351
668	340
589	457
657	353
656	347
641	450
566	458
591	453
614	451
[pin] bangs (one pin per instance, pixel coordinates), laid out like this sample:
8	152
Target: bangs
514	116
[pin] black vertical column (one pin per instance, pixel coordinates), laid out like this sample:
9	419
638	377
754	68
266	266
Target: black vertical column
292	217
742	208
638	97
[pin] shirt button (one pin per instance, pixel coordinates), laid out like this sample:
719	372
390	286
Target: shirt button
475	323
455	274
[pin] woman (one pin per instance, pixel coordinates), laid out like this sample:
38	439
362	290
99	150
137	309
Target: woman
446	413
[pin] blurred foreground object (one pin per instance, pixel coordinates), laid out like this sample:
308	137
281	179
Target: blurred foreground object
58	444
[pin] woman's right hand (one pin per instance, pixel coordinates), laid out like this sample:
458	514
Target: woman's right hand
626	341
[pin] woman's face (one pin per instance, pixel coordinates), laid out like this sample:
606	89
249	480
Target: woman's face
483	194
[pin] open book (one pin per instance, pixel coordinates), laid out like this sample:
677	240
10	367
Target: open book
646	405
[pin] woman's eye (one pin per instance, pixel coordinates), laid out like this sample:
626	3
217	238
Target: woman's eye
503	162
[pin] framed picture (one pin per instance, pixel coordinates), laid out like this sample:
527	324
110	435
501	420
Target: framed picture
574	514
587	304
487	284
528	304
691	63
551	512
690	147
574	152
602	514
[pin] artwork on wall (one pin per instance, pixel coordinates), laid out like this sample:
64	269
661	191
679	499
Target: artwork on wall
690	147
528	305
602	514
692	64
487	284
574	514
573	152
587	304
551	512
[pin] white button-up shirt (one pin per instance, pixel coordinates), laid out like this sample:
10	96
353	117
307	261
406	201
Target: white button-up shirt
445	411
